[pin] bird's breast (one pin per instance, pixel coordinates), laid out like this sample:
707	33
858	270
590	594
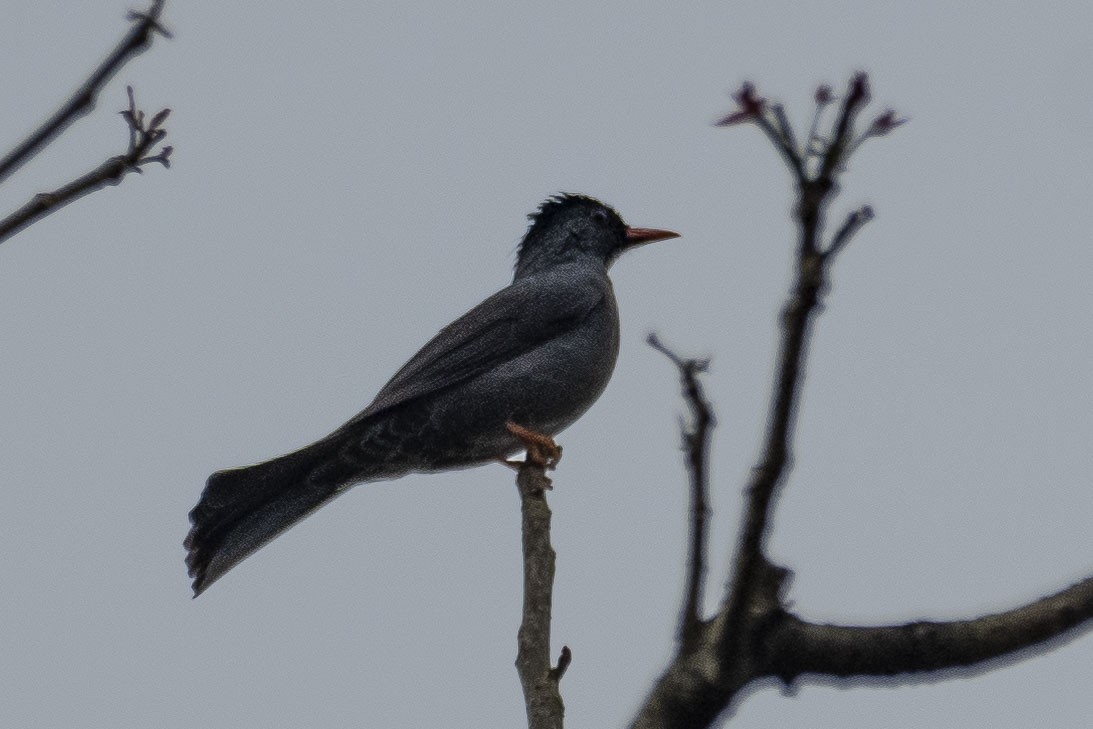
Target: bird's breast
554	384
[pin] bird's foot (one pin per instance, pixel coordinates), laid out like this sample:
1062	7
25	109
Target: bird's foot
542	451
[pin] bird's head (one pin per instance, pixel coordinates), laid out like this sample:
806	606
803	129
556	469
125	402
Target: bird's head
570	227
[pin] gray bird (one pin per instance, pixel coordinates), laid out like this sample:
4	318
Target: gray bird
516	369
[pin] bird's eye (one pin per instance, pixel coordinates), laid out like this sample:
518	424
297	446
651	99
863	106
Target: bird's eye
600	216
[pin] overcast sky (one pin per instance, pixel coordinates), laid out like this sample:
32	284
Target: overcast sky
350	176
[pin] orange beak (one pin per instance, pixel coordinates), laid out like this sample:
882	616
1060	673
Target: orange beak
640	236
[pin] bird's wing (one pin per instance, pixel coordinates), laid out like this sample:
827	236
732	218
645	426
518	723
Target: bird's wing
513	321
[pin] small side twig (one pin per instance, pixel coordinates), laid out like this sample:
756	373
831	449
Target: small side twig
143	140
542	699
564	659
139	37
853	223
696	442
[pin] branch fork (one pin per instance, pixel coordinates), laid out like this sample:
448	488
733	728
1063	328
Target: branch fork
754	635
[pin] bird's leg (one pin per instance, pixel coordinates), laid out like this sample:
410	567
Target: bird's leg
541	448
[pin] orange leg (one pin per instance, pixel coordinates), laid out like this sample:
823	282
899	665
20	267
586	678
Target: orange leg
541	448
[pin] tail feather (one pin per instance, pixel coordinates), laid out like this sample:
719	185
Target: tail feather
242	509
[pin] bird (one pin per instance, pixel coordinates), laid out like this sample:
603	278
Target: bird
508	375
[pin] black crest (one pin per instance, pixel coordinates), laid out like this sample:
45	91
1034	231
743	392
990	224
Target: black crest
554	206
558	211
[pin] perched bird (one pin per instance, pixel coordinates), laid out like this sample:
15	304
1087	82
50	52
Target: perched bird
508	374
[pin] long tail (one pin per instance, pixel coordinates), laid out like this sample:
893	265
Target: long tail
242	509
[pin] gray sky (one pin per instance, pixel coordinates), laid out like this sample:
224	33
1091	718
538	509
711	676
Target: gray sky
348	178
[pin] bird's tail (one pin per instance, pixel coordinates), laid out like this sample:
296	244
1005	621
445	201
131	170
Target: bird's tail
242	509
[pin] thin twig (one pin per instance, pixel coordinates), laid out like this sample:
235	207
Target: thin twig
883	124
853	223
790	155
143	139
782	124
139	37
696	442
822	98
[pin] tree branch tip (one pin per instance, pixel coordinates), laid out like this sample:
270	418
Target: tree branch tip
861	216
654	341
750	106
858	93
688	367
885	122
159	118
150	18
163	158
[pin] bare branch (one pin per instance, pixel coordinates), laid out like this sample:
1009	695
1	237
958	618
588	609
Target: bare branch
143	139
722	654
696	442
696	688
814	194
753	635
139	37
797	647
542	698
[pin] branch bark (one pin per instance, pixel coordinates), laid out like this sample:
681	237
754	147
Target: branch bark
797	647
539	681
